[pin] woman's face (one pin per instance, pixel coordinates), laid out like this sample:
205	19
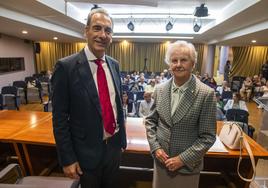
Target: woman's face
125	97
235	98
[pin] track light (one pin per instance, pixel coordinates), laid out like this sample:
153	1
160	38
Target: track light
197	24
196	27
169	26
131	26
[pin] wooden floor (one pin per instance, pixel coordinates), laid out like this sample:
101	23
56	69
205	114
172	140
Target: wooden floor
254	120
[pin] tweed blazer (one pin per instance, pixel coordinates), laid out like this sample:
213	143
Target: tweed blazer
191	131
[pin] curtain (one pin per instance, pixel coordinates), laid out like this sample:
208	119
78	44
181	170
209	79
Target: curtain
200	56
247	61
51	51
131	56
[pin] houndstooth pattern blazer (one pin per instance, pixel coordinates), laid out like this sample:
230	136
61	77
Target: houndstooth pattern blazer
191	131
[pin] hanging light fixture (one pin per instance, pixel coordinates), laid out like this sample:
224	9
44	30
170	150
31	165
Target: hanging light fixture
169	26
197	24
131	26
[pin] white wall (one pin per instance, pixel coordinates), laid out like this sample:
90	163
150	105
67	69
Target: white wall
14	47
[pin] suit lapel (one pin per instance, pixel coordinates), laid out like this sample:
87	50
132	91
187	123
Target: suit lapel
186	101
113	73
166	102
87	80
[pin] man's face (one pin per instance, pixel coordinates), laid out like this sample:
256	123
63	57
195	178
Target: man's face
147	97
181	64
99	34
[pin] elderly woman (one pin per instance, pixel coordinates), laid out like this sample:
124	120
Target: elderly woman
182	125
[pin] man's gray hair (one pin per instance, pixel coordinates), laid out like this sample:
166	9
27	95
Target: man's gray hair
98	10
180	44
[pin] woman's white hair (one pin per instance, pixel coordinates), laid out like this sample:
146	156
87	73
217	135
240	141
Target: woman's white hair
178	45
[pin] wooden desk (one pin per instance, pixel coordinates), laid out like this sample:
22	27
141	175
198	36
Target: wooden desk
13	122
37	130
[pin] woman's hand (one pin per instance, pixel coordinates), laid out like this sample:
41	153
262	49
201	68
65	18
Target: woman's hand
161	155
174	163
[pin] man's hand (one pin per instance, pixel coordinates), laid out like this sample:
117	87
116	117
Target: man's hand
174	163
72	171
161	155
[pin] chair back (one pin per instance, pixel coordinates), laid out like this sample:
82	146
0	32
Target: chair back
139	96
237	115
227	95
1	102
29	79
20	84
125	87
9	90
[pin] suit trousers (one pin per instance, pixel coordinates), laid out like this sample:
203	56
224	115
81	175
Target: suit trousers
107	172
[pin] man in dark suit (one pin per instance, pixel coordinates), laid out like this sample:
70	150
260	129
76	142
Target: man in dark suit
88	117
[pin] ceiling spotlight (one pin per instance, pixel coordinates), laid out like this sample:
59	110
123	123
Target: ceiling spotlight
24	32
197	25
131	26
169	26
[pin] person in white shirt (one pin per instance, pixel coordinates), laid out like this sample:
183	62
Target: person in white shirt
236	103
223	87
150	87
145	105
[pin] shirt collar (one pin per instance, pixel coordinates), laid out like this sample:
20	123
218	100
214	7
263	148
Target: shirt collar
90	56
183	87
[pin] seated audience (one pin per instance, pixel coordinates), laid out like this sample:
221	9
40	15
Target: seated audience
127	80
257	86
128	106
246	89
236	103
220	111
150	87
205	79
136	88
142	82
145	105
264	89
212	83
223	87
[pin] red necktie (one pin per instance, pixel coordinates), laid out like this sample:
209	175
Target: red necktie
105	102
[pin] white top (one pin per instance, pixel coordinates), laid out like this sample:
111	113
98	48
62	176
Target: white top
230	105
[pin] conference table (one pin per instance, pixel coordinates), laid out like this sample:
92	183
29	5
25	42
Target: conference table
28	129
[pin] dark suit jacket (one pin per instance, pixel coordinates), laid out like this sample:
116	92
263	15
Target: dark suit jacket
77	120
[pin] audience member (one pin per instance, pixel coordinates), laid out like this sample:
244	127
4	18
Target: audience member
246	89
128	106
223	87
236	103
150	87
145	105
227	69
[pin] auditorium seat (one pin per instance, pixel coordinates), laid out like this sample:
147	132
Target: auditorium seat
10	97
11	176
22	90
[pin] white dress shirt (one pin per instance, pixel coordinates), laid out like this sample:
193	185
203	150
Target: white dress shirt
93	67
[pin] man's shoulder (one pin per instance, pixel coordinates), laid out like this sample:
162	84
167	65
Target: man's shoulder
71	58
109	58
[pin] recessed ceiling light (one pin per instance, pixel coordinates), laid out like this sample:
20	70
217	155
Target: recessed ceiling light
253	41
24	32
55	38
